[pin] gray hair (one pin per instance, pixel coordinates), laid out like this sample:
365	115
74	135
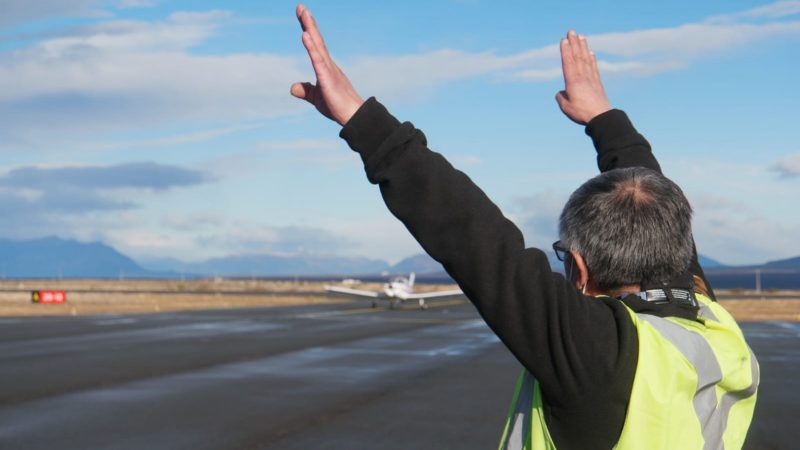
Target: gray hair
631	226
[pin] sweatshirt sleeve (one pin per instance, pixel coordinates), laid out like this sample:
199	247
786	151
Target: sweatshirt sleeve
619	145
577	347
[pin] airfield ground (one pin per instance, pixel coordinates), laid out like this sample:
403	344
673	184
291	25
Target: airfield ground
333	376
89	297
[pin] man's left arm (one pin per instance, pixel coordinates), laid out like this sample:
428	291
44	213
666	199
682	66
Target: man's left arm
619	145
617	142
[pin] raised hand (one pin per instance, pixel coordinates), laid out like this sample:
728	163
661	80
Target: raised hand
332	95
583	97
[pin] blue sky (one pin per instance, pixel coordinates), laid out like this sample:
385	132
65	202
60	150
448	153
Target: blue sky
165	128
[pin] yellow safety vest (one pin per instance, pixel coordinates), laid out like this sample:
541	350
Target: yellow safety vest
694	388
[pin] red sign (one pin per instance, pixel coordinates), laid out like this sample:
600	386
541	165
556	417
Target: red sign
49	296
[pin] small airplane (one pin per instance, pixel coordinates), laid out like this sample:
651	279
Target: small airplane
397	290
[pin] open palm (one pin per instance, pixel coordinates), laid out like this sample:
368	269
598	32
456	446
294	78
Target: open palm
332	95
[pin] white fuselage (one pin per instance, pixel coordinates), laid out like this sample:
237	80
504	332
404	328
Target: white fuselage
398	288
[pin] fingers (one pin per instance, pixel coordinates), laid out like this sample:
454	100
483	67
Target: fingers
571	57
566	51
317	60
574	45
314	30
299	90
588	55
566	56
332	95
567	61
309	25
585	52
593	62
299	13
577	59
561	99
595	69
579	47
314	44
305	91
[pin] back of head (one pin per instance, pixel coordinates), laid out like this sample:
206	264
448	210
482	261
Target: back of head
631	226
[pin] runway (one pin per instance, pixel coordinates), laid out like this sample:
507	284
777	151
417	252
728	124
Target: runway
323	376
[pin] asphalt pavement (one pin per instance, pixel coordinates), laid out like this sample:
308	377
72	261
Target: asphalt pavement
321	376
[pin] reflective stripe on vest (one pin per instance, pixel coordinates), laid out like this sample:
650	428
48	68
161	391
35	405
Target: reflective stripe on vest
694	387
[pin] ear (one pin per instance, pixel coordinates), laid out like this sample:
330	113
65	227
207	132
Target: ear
580	264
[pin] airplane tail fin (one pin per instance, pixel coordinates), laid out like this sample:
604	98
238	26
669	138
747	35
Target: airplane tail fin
411	279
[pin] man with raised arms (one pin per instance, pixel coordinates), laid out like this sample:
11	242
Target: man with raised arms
630	349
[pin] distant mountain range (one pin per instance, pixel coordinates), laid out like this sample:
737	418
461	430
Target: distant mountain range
54	257
273	265
790	263
708	263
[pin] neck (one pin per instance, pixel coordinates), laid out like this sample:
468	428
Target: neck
618	292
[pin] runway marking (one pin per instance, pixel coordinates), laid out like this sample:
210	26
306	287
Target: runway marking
420	320
438	304
332	315
366	312
78	343
120	321
789	325
326	314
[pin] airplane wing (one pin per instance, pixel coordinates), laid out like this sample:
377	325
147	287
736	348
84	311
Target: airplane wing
358	292
426	295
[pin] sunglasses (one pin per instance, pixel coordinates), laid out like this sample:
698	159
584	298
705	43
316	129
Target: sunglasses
561	250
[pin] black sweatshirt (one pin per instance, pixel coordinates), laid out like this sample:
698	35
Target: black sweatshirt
582	350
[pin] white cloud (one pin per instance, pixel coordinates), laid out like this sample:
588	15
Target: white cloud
727	229
740	214
136	3
146	244
788	167
193	221
307	144
688	41
245	237
630	53
144	175
382	236
123	74
132	74
742	236
164	141
330	154
180	31
82	201
197	236
537	216
24	10
770	11
464	161
239	238
15	11
413	76
129	75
